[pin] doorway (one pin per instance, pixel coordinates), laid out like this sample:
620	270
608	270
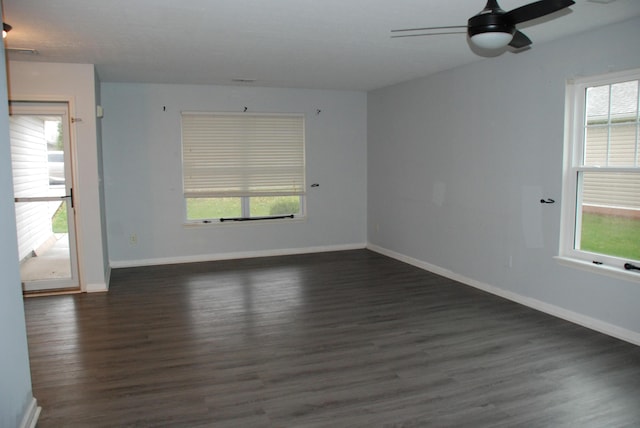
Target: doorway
41	158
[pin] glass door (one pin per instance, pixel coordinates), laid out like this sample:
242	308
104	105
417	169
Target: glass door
43	191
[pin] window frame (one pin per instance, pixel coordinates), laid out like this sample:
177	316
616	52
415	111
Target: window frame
574	145
245	205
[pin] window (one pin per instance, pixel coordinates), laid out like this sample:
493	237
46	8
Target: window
242	166
601	209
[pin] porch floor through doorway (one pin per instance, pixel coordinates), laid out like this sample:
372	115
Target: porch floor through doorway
52	263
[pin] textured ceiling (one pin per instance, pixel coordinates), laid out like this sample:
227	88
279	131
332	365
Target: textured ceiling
328	44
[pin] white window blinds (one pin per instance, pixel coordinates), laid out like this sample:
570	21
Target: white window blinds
243	154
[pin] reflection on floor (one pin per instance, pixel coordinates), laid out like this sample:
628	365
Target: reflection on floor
51	263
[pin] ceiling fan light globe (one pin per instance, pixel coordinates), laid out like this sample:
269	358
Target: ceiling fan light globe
491	40
5	29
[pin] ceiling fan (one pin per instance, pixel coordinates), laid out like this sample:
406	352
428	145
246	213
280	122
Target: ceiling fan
493	28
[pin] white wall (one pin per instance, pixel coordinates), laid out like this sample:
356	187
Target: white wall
458	162
16	396
143	181
77	83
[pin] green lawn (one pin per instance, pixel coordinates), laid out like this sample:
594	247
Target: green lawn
215	208
59	219
209	208
612	235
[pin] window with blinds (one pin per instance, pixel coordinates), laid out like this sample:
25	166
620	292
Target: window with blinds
242	165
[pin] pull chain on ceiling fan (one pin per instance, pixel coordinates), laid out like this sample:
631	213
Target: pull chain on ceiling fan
493	28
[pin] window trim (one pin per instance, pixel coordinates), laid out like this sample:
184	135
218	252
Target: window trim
575	103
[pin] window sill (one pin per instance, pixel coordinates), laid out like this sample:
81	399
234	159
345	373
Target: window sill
611	271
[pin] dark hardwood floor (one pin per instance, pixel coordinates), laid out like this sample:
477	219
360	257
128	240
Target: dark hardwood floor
345	339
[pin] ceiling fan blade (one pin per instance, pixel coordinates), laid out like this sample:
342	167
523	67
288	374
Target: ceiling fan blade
536	10
520	40
428	34
447	27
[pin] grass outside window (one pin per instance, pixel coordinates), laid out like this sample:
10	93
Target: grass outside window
616	236
259	206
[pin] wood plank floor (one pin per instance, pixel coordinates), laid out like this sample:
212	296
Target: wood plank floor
345	339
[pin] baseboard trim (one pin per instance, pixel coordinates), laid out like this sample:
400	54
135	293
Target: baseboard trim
231	256
30	418
96	288
565	314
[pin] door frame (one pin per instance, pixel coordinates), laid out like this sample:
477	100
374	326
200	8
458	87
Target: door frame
74	235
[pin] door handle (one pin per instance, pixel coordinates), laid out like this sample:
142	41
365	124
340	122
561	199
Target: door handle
70	196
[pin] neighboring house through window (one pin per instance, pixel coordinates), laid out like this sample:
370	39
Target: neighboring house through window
601	204
242	166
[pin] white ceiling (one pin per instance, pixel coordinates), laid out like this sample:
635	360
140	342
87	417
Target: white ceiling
324	44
